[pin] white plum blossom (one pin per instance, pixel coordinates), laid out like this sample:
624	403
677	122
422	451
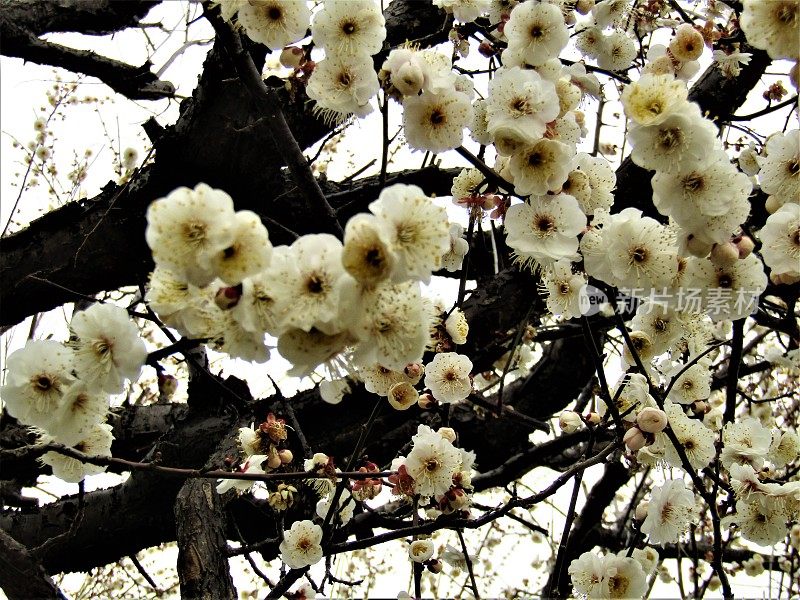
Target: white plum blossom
653	98
745	442
81	409
519	107
301	545
38	377
781	240
253	465
421	550
608	576
564	289
343	85
671	510
536	32
414	229
617	52
366	256
545	229
95	442
780	171
682	139
447	376
761	520
457	326
348	27
541	167
772	25
108	348
454	257
393	327
432	462
274	23
591	182
249	252
436	122
188	228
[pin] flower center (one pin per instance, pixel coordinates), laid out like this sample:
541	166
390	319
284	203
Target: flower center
43	382
315	284
544	223
794	167
563	289
374	258
724	280
693	182
194	231
638	254
345	78
536	31
535	159
304	544
431	465
670	138
787	13
660	325
349	27
521	105
437	117
274	13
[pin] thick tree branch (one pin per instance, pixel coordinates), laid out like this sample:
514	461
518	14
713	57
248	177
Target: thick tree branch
90	17
22	576
137	83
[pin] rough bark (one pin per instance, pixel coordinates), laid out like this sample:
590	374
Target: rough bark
202	564
21	575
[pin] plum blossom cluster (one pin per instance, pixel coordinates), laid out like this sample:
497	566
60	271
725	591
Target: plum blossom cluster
62	390
436	471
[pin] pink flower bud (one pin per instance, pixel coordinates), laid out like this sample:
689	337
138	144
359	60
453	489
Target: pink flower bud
292	57
651	420
745	246
725	254
593	418
286	456
426	401
634	439
228	297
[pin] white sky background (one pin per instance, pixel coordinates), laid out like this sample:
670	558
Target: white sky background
22	92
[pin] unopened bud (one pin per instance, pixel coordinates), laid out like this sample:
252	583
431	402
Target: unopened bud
725	254
714	583
228	297
426	401
487	49
292	57
745	246
569	421
286	456
447	433
793	75
634	439
641	510
700	407
584	7
421	550
593	418
434	566
697	247
273	460
570	19
651	420
772	204
414	371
